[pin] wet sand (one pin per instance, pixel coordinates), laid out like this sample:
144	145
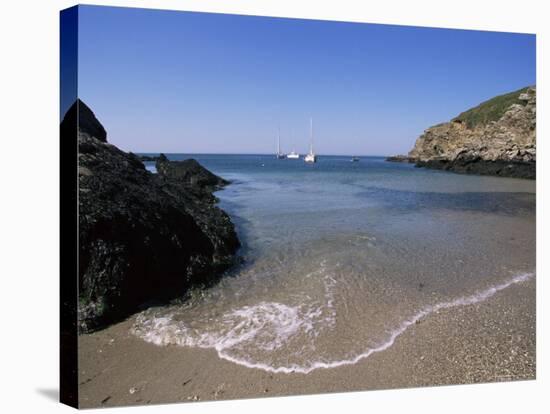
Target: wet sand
493	340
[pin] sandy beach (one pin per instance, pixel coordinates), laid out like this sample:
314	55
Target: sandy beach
493	340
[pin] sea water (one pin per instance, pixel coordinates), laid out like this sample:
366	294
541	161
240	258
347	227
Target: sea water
342	257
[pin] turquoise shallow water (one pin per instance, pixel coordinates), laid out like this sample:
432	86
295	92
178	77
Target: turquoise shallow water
340	256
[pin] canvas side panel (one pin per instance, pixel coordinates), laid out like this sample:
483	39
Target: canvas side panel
68	208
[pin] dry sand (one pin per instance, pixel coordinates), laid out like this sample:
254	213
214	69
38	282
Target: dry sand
491	341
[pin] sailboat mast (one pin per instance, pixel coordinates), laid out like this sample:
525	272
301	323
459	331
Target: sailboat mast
278	140
311	156
311	135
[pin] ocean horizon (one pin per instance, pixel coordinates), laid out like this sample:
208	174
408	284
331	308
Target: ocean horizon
259	154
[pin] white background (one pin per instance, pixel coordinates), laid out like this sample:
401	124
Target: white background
29	206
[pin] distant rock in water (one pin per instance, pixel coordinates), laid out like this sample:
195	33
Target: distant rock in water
147	158
498	137
142	237
188	172
400	158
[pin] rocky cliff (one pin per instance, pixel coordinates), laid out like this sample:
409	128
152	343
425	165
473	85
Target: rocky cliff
142	237
498	137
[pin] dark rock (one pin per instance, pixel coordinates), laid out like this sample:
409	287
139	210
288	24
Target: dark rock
476	165
87	122
400	158
148	158
188	172
142	236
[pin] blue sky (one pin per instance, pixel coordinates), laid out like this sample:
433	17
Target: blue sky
163	81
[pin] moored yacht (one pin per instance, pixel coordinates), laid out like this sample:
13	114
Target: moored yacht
293	155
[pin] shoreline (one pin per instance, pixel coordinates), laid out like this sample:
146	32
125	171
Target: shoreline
479	167
497	168
488	341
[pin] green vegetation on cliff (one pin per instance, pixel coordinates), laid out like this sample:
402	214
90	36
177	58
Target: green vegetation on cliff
491	110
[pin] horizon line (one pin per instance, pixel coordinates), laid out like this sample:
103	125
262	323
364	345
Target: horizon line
258	153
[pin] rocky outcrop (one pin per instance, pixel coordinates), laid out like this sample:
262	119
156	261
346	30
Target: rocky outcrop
188	172
142	237
496	138
147	158
400	158
88	123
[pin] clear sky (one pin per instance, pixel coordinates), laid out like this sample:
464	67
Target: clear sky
163	81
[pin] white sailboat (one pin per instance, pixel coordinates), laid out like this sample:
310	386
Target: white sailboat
280	155
310	157
293	155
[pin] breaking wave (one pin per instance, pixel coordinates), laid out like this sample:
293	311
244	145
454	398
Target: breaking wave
250	334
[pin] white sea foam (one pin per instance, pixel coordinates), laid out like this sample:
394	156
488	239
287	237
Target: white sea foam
269	326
